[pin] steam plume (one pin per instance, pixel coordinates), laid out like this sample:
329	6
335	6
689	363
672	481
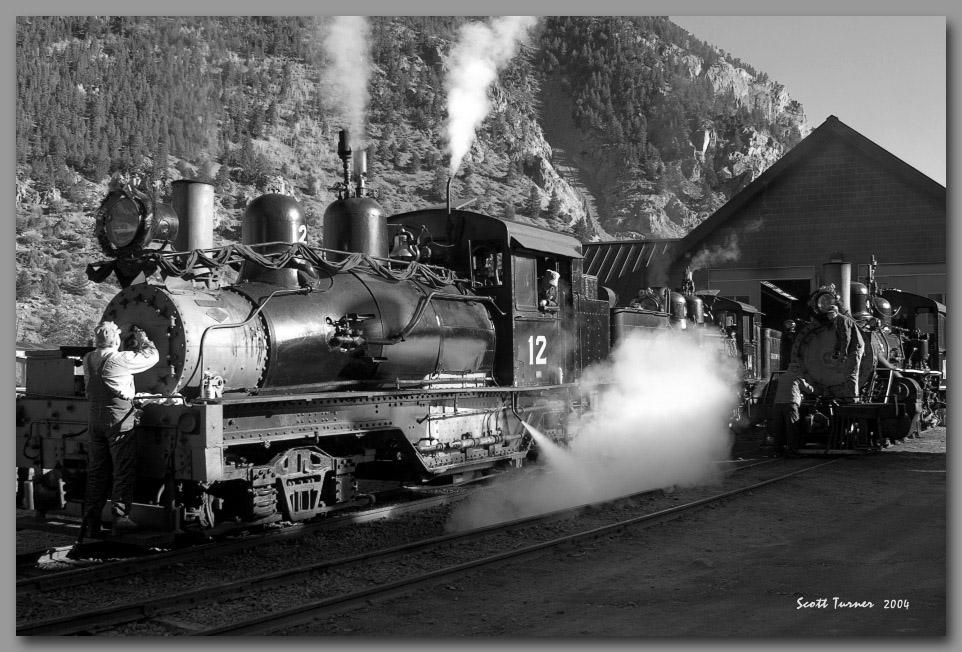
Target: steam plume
346	43
475	61
717	253
663	421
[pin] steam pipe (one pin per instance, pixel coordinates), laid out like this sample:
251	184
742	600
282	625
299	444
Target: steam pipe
344	152
360	172
448	196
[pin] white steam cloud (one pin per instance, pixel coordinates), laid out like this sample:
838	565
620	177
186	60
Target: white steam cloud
721	253
347	46
475	60
662	422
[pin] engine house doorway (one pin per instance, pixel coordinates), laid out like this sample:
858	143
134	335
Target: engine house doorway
783	299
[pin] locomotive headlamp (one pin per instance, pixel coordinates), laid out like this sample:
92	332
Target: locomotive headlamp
123	222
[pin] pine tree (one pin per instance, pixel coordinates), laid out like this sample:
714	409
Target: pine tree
533	205
554	204
439	185
222	178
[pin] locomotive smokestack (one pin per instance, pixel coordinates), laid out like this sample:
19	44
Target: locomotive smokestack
193	202
448	195
839	272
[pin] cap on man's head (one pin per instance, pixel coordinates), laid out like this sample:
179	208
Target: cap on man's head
106	334
553	277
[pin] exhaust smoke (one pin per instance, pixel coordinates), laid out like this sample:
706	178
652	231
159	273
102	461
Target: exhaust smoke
475	60
347	46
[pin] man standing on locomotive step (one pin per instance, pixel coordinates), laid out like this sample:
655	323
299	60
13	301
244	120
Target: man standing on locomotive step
109	374
785	416
849	346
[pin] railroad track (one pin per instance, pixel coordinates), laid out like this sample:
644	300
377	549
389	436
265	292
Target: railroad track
382	564
89	570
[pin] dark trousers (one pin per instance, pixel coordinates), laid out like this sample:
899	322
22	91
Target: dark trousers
852	363
785	426
111	455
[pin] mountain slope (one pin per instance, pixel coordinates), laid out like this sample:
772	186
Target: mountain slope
603	127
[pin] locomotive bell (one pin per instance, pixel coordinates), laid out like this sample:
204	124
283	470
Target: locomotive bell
272	218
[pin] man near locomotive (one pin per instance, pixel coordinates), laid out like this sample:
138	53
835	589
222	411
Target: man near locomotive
785	416
109	374
849	346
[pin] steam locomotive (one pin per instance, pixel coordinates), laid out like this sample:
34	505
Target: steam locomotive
413	347
901	375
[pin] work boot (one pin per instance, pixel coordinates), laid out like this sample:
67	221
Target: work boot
122	521
123	525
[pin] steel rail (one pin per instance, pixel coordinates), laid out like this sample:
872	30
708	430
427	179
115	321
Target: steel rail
114	569
302	613
117	615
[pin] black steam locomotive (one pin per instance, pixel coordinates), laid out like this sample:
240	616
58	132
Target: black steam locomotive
901	375
413	347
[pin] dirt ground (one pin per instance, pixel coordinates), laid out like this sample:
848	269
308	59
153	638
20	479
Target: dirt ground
857	548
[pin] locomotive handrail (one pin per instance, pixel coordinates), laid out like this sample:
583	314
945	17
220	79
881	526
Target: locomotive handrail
180	263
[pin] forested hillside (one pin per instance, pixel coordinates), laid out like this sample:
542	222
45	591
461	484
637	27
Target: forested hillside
603	127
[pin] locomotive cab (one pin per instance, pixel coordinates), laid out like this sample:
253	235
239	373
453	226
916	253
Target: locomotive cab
532	274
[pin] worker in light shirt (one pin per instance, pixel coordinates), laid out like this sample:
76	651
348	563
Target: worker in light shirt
109	374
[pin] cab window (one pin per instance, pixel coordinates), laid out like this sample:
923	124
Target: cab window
487	265
525	282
